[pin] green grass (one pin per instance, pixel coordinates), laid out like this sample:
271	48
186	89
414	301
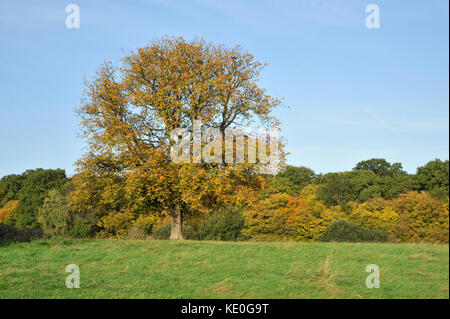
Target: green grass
191	269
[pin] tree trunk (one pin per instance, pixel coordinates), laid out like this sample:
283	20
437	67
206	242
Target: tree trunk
177	223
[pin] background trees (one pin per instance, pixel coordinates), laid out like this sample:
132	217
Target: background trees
272	218
433	178
293	179
35	187
412	217
281	207
28	190
369	179
380	167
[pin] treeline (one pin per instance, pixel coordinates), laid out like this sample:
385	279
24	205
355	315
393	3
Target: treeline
376	201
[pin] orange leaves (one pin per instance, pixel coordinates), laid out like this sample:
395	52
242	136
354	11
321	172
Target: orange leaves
412	217
273	218
7	210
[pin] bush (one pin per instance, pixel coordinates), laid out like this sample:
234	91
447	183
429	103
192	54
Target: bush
189	232
272	218
163	232
54	216
223	225
117	223
343	231
11	233
103	234
136	233
81	231
412	217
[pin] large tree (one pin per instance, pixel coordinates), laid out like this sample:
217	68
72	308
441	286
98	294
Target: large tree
130	112
380	167
433	177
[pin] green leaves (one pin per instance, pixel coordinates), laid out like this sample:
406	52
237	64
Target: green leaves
30	188
380	167
434	178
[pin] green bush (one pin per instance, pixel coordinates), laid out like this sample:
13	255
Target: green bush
189	232
81	231
343	231
163	232
223	225
54	216
11	233
57	220
30	188
83	224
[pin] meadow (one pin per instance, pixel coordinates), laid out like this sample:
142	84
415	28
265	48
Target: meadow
212	269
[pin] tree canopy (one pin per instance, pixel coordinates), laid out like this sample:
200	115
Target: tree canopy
380	167
130	113
433	177
30	190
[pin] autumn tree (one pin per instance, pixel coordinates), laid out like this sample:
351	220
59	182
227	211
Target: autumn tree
130	113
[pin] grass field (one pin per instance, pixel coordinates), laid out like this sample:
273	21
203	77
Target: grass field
190	269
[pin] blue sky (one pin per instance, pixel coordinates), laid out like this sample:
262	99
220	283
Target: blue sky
353	93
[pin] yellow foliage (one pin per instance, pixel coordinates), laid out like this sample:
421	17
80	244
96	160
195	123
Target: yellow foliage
146	222
128	117
315	216
7	211
272	218
117	223
412	217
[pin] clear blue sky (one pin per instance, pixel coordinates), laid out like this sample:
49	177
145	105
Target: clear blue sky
354	93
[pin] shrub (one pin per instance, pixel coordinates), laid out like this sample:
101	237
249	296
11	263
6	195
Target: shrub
412	217
103	234
163	232
11	233
145	222
343	231
81	231
223	225
314	216
272	218
117	224
54	216
83	224
136	233
189	232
